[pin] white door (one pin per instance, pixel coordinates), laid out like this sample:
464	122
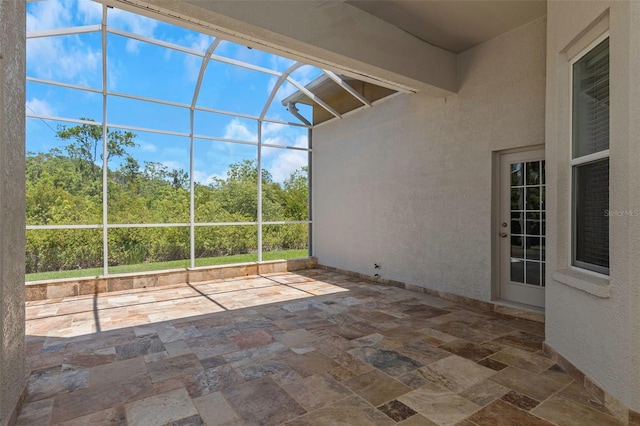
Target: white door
521	230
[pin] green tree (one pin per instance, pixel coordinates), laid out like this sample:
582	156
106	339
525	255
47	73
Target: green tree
296	195
64	186
85	144
56	193
238	192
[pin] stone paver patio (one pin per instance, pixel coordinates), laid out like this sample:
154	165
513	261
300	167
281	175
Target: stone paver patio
306	348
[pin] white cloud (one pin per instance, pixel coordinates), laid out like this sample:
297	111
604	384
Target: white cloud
271	84
235	129
205	178
280	162
115	70
149	147
132	46
193	63
268	151
40	107
60	13
288	161
173	165
192	67
278	134
132	22
64	58
302	141
90	12
201	42
269	128
48	15
276	105
280	63
67	58
303	75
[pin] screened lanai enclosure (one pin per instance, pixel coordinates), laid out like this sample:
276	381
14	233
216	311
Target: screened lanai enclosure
145	141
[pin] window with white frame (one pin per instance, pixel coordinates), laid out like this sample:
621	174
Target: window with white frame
590	158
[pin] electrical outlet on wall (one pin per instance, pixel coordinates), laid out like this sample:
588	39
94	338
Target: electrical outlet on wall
376	265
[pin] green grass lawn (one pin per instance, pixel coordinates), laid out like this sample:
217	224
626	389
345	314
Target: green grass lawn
156	266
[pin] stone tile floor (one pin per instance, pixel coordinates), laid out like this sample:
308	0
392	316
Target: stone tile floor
306	348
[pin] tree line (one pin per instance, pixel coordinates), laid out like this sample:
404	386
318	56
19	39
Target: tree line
64	187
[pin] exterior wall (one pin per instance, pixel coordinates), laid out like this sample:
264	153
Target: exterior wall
12	189
592	322
408	183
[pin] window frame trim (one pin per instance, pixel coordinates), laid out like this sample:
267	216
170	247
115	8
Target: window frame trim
578	161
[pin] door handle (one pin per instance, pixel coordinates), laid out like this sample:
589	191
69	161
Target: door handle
503	235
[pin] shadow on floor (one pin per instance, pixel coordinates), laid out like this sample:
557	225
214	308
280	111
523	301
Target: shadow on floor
312	347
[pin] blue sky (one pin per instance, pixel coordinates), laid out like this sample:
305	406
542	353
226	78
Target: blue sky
147	70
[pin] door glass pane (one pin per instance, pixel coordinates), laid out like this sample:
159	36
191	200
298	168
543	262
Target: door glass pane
517	271
533	248
516	174
533	223
517	199
517	224
533	173
533	273
517	249
527	222
533	198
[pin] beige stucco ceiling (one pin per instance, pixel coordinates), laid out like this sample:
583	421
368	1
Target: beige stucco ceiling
454	25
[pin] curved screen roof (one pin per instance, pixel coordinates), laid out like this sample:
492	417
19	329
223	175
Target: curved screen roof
81	44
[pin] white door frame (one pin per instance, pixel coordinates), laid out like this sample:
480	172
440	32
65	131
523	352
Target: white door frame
500	247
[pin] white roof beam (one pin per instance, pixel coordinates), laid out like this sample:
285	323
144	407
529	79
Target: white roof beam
64	31
314	98
276	87
340	82
203	68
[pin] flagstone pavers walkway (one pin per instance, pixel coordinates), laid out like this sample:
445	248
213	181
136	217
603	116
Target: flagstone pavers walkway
306	348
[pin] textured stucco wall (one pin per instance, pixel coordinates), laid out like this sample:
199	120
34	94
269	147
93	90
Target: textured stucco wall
12	225
407	183
601	336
